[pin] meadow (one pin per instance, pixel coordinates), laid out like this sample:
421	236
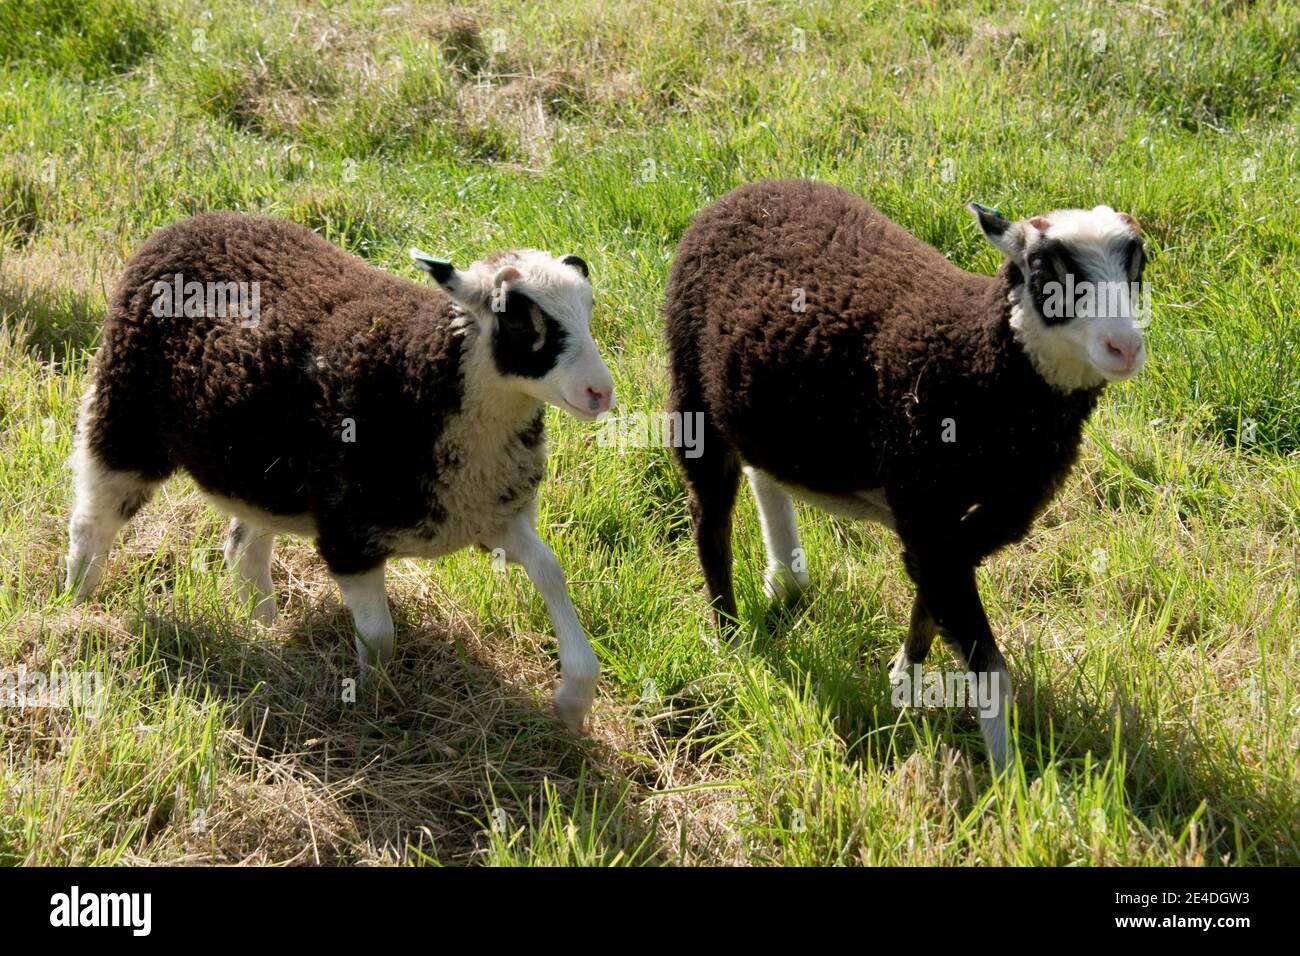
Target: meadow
1149	621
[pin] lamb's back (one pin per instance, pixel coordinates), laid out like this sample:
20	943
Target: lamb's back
300	277
256	409
791	301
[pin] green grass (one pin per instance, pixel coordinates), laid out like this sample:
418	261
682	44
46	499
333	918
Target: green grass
1150	620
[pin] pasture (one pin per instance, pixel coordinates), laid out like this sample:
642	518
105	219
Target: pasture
1149	620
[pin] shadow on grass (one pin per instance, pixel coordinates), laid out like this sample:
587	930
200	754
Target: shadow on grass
445	747
1172	780
1176	781
849	680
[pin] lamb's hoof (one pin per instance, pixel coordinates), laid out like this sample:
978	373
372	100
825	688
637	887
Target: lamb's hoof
899	667
901	678
738	645
368	672
77	589
996	726
373	657
77	581
729	639
999	743
782	583
263	608
264	612
573	701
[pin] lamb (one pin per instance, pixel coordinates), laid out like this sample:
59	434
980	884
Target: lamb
378	416
837	359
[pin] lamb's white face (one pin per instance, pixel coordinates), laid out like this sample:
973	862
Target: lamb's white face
535	312
1081	305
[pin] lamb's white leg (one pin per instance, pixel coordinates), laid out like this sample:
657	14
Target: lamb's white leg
995	719
105	501
248	553
578	665
787	568
366	598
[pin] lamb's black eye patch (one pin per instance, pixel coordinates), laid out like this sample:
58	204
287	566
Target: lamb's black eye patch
1051	267
1137	259
527	341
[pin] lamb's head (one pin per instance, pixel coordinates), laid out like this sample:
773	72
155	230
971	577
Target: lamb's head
534	311
1078	304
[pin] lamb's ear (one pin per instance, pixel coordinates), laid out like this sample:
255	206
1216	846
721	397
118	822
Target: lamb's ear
1006	236
1130	222
456	283
504	275
577	262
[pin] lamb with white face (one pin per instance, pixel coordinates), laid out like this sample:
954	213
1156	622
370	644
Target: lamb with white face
535	310
1079	312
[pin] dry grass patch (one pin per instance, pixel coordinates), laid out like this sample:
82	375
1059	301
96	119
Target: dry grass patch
453	751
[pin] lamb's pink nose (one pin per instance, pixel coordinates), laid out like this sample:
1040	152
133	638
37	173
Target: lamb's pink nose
1124	350
599	399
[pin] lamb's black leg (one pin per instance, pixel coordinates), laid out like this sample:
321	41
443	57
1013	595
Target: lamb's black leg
711	481
950	594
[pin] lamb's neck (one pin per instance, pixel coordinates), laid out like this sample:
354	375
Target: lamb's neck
491	405
496	409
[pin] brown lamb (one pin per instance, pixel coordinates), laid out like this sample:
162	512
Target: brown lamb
379	416
839	360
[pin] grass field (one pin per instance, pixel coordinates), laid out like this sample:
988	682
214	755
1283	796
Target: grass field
1149	621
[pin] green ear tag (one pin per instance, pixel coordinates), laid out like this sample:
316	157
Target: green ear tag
421	256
